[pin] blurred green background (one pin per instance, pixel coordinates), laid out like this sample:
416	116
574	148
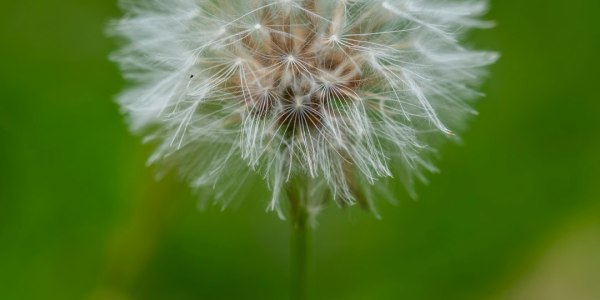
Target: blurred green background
514	215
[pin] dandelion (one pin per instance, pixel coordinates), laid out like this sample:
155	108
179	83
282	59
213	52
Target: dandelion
325	99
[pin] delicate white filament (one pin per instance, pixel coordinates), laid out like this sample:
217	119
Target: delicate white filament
344	93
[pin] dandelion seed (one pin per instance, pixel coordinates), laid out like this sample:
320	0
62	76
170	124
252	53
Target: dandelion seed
344	94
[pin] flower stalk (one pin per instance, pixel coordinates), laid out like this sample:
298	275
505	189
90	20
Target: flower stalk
299	214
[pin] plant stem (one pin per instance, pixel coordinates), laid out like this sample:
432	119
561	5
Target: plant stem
299	242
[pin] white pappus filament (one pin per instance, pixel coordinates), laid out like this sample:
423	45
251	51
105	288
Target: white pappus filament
344	93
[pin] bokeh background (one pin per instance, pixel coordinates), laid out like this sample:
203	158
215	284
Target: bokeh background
514	215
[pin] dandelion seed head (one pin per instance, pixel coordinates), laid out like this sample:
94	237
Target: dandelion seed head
346	94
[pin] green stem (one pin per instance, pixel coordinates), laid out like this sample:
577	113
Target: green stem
299	241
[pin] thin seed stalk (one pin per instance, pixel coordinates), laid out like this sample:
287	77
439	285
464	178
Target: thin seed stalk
299	241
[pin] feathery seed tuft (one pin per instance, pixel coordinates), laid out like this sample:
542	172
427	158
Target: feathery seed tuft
342	93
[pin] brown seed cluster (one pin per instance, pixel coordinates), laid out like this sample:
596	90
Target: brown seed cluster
296	68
